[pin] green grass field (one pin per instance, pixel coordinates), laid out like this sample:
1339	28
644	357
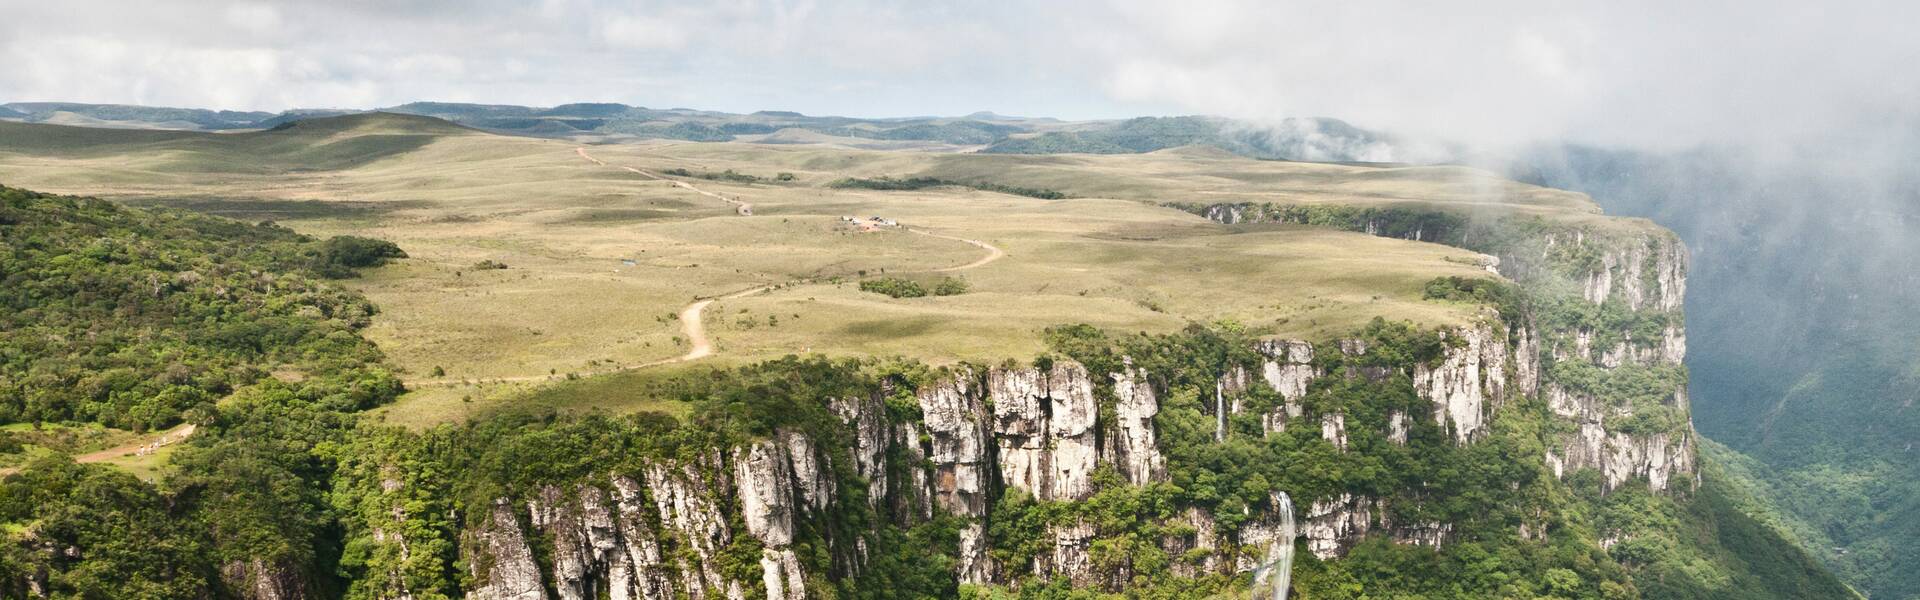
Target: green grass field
601	259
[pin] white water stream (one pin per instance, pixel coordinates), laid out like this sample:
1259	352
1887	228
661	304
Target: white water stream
1275	573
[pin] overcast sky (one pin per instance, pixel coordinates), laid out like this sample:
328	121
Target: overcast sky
1649	74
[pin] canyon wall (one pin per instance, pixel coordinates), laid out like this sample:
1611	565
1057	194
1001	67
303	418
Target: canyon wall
764	517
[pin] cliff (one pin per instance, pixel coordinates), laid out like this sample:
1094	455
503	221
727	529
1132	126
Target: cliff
1604	302
1124	461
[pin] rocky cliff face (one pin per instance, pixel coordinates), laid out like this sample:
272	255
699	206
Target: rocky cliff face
663	533
984	435
1631	274
1043	427
1639	279
1131	439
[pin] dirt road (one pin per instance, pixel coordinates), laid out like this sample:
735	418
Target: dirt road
145	445
692	318
695	328
739	206
993	252
692	327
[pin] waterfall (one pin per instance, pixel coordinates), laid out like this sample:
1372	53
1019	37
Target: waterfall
1219	413
1275	573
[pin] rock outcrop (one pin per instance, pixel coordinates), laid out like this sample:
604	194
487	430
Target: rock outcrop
1043	425
687	497
505	569
766	486
259	579
1288	369
1619	456
1133	444
1645	277
1467	380
954	414
1640	271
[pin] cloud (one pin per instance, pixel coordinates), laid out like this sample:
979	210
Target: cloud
1505	72
256	17
1651	74
644	32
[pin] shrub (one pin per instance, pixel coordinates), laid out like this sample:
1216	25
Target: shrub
919	183
893	286
950	286
341	254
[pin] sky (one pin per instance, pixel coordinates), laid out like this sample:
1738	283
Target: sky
1644	74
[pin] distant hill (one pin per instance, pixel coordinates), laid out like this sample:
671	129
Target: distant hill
148	115
1292	139
372	122
301	114
331	142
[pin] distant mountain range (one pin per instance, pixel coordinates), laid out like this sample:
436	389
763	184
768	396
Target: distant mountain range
1315	139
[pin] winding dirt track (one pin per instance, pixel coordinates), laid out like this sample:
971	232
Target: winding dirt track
695	328
743	208
692	318
148	443
993	252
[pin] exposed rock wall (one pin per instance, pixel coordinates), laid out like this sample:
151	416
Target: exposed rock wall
955	415
1132	441
1468	379
259	579
1640	271
1288	369
505	569
764	473
1643	276
1618	456
1043	425
661	534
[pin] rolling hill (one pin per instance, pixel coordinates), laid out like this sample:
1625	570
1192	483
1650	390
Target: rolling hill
1293	139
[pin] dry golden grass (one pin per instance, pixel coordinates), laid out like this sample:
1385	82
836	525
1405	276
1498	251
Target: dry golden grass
564	225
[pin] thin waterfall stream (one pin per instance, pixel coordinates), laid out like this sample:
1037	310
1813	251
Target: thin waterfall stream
1275	573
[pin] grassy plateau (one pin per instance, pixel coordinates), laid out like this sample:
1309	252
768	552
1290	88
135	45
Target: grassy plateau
606	248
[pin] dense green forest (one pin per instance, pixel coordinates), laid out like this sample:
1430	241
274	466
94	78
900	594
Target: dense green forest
141	318
134	318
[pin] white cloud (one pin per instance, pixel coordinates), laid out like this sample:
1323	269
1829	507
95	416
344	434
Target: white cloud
254	17
1501	72
645	32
